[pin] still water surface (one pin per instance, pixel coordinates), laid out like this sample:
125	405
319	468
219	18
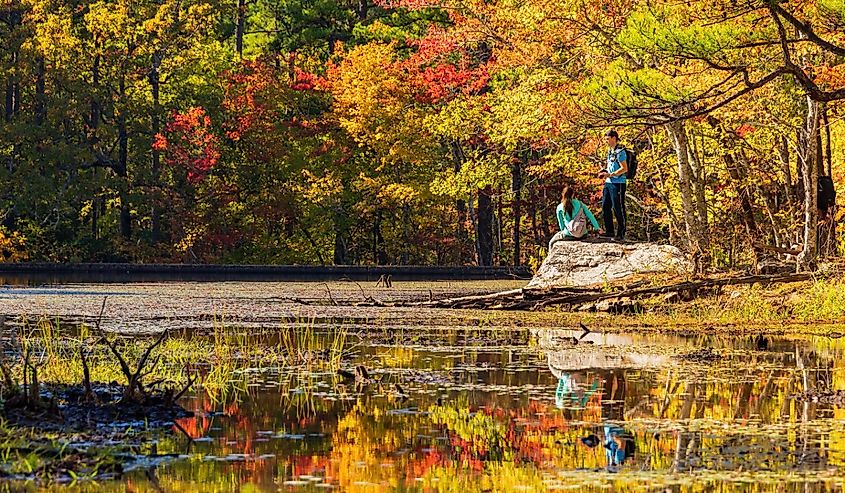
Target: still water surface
624	413
514	409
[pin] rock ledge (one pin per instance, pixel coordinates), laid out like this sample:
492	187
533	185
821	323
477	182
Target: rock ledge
591	262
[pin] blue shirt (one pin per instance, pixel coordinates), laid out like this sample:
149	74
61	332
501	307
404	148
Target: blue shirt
614	157
615	455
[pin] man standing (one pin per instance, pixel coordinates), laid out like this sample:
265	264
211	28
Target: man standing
615	181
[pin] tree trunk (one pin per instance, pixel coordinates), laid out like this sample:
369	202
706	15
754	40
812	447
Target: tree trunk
123	171
830	245
532	213
497	226
240	27
516	188
40	96
697	180
810	172
12	105
155	87
339	241
484	228
828	155
94	124
544	219
379	253
697	238
460	206
737	165
787	169
10	100
739	177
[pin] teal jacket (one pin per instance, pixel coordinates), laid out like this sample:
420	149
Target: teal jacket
563	218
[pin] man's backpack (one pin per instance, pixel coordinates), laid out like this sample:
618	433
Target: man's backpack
827	193
632	162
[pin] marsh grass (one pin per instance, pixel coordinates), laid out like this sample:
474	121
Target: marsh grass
311	350
819	304
42	351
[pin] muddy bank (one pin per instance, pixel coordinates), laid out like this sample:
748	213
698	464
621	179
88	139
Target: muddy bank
70	409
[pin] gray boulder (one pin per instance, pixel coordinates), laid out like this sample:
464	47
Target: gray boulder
591	261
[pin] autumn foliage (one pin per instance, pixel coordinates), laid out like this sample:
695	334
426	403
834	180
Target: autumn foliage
413	131
188	142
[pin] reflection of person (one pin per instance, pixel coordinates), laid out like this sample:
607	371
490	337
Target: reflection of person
570	394
618	443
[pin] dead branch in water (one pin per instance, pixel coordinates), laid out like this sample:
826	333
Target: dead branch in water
134	387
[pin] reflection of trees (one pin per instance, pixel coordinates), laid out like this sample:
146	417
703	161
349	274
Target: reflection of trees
690	418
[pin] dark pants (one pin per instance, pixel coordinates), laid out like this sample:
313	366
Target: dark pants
613	204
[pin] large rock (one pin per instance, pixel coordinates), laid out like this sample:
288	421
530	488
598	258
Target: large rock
589	262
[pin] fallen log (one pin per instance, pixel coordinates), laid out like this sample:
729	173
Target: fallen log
469	300
534	299
776	249
668	288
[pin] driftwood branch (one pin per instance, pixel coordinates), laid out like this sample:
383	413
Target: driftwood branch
776	249
191	380
134	378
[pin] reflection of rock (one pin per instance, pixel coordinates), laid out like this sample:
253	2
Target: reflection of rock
593	351
596	357
583	263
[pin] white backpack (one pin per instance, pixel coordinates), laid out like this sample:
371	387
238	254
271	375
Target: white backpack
577	226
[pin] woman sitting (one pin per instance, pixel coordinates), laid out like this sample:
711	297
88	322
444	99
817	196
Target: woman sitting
572	216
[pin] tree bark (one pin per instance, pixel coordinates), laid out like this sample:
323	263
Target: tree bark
379	252
240	27
828	155
696	233
810	172
12	104
123	171
698	186
516	189
460	205
93	125
787	169
532	213
484	228
339	241
155	83
362	9
745	193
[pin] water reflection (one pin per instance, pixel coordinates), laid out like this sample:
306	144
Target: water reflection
625	413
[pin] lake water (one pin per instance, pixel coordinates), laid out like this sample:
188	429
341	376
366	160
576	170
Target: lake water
466	403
